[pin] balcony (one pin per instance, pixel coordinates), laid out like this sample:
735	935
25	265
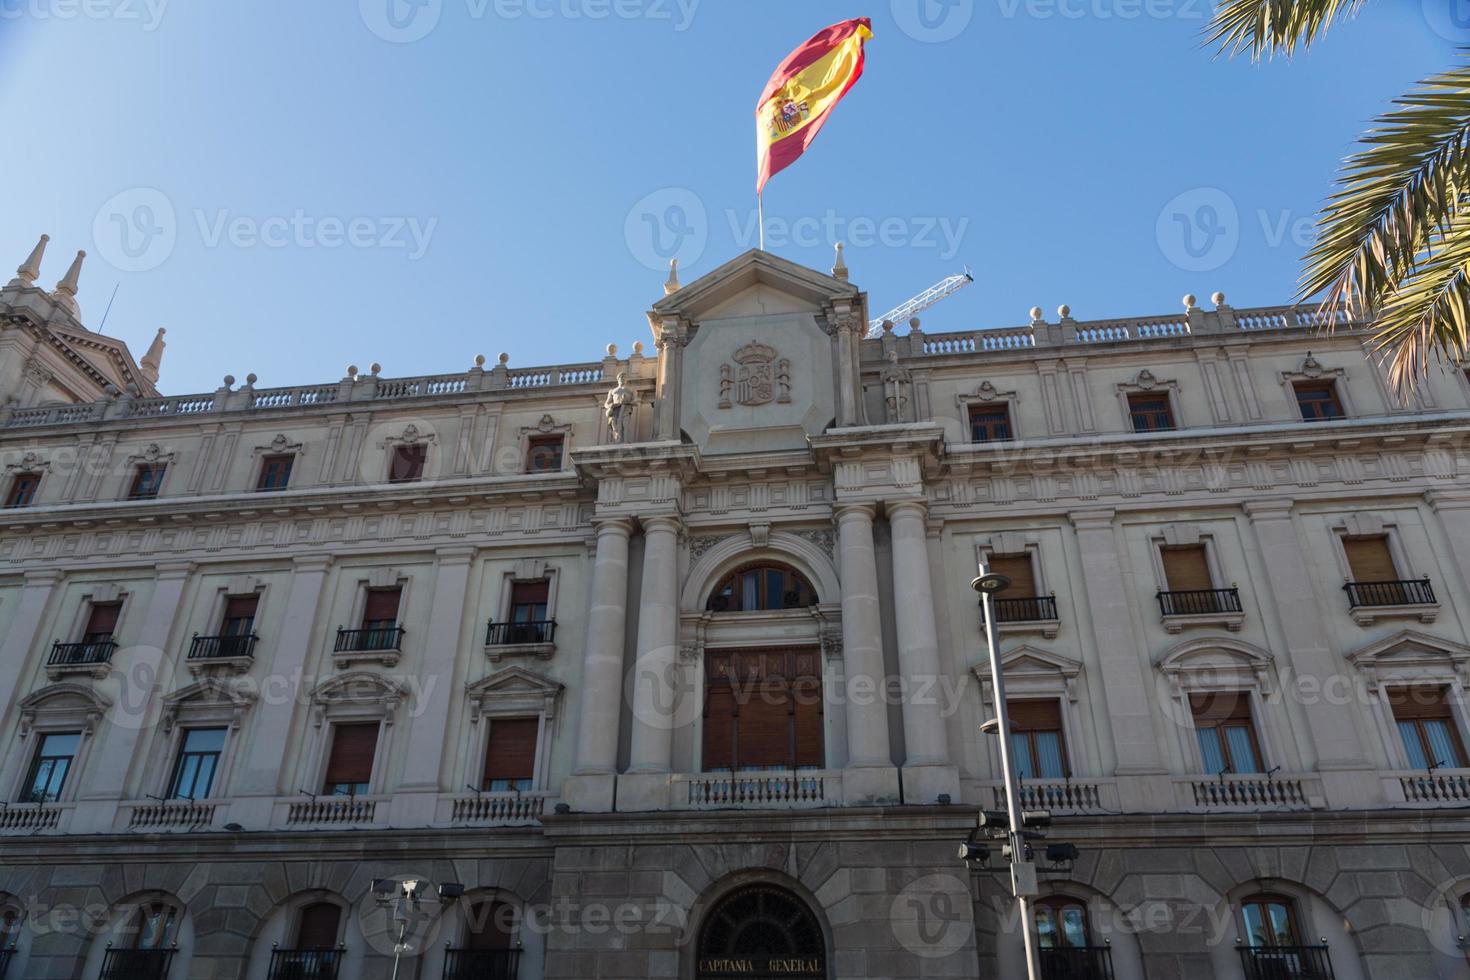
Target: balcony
759	790
92	657
1201	607
221	653
536	638
1405	599
6	955
305	964
16	819
169	815
1026	614
481	964
136	964
1442	787
332	811
381	645
1077	963
1286	963
1062	796
1248	792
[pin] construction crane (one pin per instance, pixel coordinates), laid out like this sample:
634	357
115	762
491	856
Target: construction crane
921	302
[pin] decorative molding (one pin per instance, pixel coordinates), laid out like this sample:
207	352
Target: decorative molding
63	704
514	691
280	446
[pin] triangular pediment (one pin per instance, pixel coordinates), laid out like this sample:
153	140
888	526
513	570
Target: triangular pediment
755	284
514	681
1411	648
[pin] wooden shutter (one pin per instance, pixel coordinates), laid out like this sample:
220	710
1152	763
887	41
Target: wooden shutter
1029	716
719	727
103	618
353	749
1421	701
490	926
318	925
512	750
1186	569
241	607
763	725
530	593
1370	559
408	464
1219	707
382	606
809	742
1018	569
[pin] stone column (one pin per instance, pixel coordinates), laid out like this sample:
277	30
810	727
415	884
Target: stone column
258	775
139	679
654	685
20	638
600	704
870	775
414	804
927	771
1308	657
1126	683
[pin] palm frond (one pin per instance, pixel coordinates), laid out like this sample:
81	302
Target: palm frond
1389	238
1268	27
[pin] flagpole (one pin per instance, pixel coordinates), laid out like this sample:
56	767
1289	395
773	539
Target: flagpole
760	210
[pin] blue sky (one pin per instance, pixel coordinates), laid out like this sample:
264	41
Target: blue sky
290	187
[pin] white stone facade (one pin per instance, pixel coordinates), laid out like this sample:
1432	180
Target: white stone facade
767	428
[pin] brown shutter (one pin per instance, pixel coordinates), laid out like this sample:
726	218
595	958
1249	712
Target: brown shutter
764	725
808	698
353	748
318	926
1220	706
1017	568
1045	716
512	750
1421	701
1370	559
103	618
530	593
381	606
490	926
719	727
1186	569
241	607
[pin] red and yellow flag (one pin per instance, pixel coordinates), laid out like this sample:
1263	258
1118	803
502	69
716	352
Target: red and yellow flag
804	91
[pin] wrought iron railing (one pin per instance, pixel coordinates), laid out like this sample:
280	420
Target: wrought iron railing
82	654
305	964
1286	963
6	955
481	964
1199	602
1409	592
1077	963
1025	609
509	634
136	964
381	638
216	647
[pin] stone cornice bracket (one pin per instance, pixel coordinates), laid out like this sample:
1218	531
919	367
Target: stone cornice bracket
311	563
1278	508
1092	520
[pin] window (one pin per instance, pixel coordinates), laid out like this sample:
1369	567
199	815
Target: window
1061	923
1270	920
50	767
528	601
199	755
407	464
510	758
147	481
990	422
380	612
543	454
350	766
275	472
490	926
1318	400
1227	738
1019	601
763	710
1427	727
239	615
762	587
101	622
318	925
1150	412
156	926
1370	559
1037	748
1019	570
23	490
1186	568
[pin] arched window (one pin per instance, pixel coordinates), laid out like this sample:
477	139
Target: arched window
156	926
1270	920
762	587
1275	943
761	930
317	951
489	948
149	941
1065	936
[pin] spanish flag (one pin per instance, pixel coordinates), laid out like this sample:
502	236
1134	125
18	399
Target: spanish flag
804	91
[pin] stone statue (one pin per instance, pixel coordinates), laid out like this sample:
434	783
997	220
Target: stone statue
896	386
619	407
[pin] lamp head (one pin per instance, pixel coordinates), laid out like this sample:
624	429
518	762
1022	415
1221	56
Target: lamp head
990	583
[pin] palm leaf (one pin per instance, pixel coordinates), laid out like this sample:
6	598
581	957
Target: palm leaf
1266	27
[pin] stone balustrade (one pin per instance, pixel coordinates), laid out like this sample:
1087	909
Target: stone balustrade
1438	788
1248	791
1060	796
169	815
498	809
757	790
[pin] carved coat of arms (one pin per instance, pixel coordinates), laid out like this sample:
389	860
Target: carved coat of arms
756	377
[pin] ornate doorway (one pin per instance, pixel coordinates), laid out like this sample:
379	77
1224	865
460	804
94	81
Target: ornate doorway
760	932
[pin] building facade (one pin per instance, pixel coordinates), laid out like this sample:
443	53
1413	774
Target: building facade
670	659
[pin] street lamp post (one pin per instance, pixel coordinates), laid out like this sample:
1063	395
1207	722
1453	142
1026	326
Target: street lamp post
1023	871
401	898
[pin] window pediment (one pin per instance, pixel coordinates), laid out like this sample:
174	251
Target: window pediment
1031	670
63	704
358	694
1410	656
1213	662
207	701
513	691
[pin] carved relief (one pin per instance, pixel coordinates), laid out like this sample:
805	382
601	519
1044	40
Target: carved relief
756	378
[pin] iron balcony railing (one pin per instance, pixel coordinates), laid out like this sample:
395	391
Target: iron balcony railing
1077	963
382	638
1286	963
305	964
1197	602
1410	592
216	647
481	964
6	955
136	964
1026	609
81	654
508	634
